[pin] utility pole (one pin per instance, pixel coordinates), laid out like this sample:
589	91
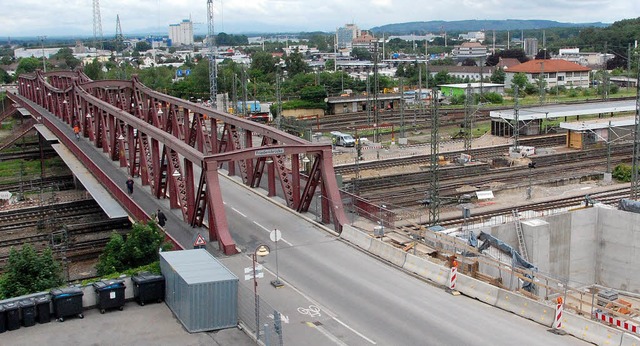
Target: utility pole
213	68
278	100
97	26
44	64
402	133
468	114
635	178
376	111
541	81
434	186
516	113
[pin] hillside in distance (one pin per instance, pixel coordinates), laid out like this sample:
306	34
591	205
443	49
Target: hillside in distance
435	26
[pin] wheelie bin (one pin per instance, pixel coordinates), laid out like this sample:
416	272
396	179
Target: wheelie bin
12	313
28	312
3	318
67	302
148	287
110	294
43	309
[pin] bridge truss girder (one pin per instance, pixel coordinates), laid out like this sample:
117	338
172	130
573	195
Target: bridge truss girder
177	147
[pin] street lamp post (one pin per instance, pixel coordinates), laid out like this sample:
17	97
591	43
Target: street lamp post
276	235
261	250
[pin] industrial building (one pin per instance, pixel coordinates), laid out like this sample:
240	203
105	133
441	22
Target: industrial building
181	34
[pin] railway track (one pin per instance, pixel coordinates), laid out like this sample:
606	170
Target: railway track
407	189
482	153
63	182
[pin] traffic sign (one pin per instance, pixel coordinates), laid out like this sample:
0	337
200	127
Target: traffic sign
248	270
275	235
199	242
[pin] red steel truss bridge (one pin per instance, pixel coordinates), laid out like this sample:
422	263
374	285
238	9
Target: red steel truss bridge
178	148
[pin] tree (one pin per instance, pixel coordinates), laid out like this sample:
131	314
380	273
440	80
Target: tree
94	70
29	272
520	79
140	247
295	64
66	54
28	65
4	77
142	46
498	76
263	67
469	62
361	54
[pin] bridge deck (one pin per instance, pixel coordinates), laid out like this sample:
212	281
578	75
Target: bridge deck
182	232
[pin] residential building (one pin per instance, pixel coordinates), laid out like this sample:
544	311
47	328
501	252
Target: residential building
589	59
346	34
473	36
365	40
474	73
181	34
469	50
555	72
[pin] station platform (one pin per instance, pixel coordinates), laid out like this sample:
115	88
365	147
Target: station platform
181	231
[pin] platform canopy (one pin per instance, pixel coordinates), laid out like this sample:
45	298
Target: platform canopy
565	110
598	124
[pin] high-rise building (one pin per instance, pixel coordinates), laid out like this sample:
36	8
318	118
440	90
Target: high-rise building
530	47
181	34
346	35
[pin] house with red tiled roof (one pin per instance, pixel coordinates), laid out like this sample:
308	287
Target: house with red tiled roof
555	72
505	63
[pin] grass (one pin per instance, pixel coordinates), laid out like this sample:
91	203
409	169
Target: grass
12	170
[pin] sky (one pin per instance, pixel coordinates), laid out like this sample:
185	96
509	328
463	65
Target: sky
20	18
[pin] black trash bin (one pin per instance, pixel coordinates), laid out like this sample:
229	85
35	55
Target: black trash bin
43	309
28	312
12	314
148	287
110	294
67	302
3	317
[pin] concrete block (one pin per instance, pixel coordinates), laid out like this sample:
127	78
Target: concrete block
388	252
477	289
525	307
629	339
416	265
591	331
356	237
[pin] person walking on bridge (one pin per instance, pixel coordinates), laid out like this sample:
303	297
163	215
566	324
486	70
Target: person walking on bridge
130	185
162	219
76	130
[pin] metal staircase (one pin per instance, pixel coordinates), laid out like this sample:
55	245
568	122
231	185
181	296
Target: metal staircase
522	247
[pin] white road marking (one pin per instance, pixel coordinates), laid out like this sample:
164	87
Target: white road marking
330	313
269	231
239	212
327	334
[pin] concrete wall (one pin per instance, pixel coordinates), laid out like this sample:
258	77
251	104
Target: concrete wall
617	253
589	246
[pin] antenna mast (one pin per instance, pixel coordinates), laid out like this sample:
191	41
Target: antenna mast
119	36
211	42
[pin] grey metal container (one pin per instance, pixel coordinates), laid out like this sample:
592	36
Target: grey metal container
201	291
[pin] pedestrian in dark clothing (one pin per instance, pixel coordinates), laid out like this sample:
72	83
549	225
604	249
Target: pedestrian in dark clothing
162	220
130	185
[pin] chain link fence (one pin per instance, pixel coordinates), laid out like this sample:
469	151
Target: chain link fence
261	319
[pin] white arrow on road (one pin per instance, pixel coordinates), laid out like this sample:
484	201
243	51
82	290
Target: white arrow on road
283	318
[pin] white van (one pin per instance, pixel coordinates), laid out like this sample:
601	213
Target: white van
342	139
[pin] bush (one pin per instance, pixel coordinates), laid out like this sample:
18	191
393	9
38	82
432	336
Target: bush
140	247
29	272
622	173
494	98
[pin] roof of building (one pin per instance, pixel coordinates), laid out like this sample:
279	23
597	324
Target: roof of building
598	124
471	85
461	69
548	65
470	45
553	111
508	62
